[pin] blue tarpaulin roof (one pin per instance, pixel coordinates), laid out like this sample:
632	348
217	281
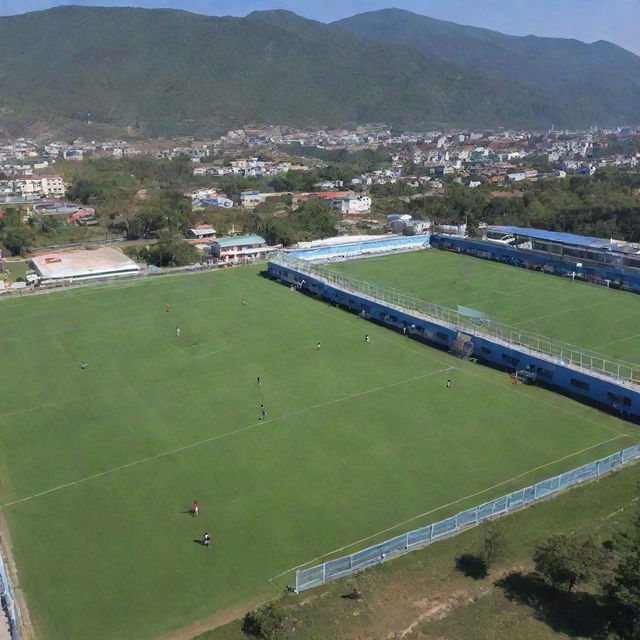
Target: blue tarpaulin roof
558	236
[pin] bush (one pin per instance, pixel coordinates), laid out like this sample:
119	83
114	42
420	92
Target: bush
493	546
265	621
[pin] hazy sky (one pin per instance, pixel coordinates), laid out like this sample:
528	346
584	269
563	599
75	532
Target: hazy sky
614	20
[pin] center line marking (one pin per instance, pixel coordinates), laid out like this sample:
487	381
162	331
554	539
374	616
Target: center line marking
225	435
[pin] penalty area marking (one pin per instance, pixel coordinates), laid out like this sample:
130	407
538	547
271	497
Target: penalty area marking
225	435
444	506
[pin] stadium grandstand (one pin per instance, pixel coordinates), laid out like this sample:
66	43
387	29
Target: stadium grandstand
612	263
84	264
614	252
354	247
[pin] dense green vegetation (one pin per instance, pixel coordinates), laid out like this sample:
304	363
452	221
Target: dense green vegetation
276	67
142	196
113	188
111	457
564	71
15	236
606	204
366	159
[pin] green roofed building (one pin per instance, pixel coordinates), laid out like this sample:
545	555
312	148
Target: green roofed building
242	247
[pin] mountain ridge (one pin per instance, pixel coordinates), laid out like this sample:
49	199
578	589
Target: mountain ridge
172	69
565	70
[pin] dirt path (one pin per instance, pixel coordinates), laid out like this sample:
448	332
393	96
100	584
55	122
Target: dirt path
441	606
216	620
25	627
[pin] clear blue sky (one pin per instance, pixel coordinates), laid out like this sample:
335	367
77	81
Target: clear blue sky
614	20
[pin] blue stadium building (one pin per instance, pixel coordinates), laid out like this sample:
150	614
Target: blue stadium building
607	262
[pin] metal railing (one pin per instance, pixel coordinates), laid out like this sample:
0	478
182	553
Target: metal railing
625	373
8	607
418	538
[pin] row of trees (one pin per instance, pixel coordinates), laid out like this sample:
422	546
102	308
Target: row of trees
606	204
567	561
15	236
609	575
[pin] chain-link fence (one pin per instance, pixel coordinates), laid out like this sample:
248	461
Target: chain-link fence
8	608
377	553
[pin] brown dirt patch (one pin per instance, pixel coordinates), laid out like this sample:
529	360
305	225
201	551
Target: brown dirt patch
25	626
216	620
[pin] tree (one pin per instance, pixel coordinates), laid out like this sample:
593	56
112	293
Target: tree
50	223
565	560
493	546
171	250
265	621
315	219
17	239
624	590
278	231
11	218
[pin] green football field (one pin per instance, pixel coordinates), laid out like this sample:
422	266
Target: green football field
579	313
362	441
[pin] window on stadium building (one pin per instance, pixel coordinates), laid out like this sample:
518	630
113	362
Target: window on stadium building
619	398
544	373
580	384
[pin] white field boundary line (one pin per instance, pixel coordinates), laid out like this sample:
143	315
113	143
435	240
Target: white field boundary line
147	314
444	506
555	406
225	435
527	307
119	321
383	336
610	515
441	357
608	344
558	313
106	391
99	287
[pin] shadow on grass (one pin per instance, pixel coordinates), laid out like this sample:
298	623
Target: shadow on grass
572	613
472	566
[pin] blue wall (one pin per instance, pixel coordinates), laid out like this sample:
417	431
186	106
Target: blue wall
619	277
373	247
605	393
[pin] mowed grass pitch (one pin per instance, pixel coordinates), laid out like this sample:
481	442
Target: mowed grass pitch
585	315
99	467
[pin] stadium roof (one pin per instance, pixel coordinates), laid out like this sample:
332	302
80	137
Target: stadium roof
86	263
335	240
237	241
558	236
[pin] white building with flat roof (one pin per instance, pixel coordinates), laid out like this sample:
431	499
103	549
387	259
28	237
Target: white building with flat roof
50	186
84	264
351	205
